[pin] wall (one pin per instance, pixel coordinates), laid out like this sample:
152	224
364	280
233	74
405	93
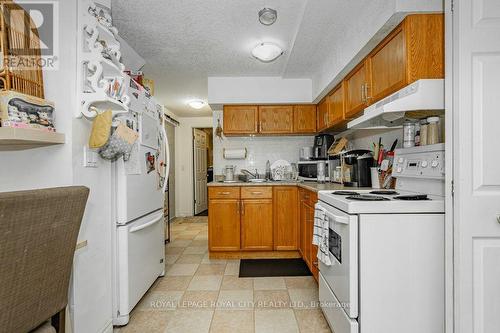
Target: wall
184	192
260	149
90	289
258	90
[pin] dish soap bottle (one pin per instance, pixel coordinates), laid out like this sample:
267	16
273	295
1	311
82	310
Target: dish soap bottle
268	170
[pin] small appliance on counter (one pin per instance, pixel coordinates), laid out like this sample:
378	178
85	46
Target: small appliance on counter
308	170
306	153
322	143
357	164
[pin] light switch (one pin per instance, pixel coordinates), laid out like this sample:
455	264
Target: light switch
89	157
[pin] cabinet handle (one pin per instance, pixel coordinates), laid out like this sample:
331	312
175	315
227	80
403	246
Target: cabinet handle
363	98
238	209
325	118
242	208
224	193
257	193
367	97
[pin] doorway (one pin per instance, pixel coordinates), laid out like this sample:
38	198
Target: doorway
202	168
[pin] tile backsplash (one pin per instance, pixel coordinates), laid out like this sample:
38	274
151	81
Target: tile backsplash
259	150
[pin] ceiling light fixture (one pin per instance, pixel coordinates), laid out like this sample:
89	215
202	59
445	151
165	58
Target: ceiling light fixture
267	52
267	16
197	104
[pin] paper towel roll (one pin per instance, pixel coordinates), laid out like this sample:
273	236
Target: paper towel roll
235	154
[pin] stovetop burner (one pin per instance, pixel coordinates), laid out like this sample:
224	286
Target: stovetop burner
345	193
384	192
366	197
416	197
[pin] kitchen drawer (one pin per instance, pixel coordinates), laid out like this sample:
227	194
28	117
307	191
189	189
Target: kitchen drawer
257	192
224	192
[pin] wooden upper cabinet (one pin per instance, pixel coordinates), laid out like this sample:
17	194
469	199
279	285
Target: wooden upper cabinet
424	46
355	90
257	224
304	119
276	119
240	119
323	114
336	110
286	226
412	51
388	66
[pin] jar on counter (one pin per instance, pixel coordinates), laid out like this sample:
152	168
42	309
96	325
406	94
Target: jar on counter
423	132
433	131
408	134
321	172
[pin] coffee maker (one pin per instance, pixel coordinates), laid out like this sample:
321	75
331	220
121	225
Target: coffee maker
356	168
321	144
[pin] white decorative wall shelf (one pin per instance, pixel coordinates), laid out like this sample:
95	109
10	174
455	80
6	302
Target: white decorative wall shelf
101	81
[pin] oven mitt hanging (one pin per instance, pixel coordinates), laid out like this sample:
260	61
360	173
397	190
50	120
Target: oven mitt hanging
101	129
120	144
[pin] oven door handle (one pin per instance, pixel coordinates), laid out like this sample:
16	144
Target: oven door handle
337	218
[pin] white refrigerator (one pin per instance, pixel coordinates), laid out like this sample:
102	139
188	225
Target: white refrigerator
138	197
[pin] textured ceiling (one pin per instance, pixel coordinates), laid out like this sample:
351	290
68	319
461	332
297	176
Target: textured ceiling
185	41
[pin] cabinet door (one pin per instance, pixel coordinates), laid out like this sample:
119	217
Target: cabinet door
304	119
285	218
257	224
309	224
275	119
355	90
323	114
388	66
240	119
224	224
336	109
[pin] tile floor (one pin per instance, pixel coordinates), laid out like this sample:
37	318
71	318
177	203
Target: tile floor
200	295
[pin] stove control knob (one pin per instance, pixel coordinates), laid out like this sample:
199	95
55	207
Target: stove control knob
424	164
434	164
399	169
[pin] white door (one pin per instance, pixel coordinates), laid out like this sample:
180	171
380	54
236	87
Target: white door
200	171
476	120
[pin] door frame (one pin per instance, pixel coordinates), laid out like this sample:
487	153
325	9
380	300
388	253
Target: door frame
449	170
193	164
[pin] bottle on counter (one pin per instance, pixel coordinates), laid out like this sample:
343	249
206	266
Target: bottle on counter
268	170
433	131
408	134
417	133
423	132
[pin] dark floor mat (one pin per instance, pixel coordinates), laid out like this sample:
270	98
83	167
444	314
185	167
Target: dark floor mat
204	213
273	267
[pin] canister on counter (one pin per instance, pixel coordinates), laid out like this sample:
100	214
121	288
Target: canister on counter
408	134
433	131
423	132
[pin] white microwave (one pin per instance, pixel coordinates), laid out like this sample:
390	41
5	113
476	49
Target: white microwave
308	170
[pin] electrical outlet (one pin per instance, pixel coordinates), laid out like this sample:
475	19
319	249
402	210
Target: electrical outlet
89	157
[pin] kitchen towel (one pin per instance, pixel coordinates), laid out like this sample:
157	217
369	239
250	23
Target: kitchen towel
321	233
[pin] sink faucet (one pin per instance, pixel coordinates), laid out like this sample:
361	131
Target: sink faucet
249	174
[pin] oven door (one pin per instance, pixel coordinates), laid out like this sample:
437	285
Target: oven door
342	275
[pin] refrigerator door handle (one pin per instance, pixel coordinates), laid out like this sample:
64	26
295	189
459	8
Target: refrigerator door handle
167	158
147	225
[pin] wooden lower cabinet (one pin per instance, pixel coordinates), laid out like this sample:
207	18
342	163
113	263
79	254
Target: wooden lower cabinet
285	221
257	224
224	224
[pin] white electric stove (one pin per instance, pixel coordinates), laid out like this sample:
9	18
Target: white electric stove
387	250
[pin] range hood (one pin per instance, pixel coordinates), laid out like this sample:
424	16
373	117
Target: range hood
425	96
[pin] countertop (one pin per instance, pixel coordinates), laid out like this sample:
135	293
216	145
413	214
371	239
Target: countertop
311	186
